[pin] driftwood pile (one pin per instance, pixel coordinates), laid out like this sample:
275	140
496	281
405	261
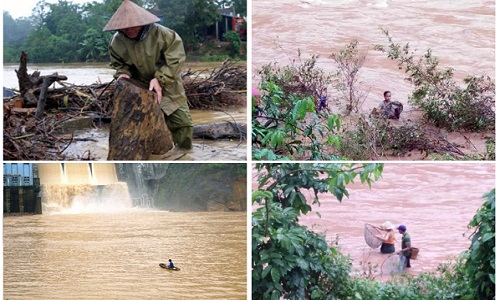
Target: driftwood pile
221	87
34	119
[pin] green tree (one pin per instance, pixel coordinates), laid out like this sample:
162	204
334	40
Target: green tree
15	33
480	264
187	18
66	26
234	39
93	47
288	260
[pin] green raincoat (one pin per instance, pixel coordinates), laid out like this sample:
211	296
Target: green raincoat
159	53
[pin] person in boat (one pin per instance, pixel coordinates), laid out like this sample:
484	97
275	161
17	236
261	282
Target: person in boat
405	244
153	54
390	109
171	264
388	240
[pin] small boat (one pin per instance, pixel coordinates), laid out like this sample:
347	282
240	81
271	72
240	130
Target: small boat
164	266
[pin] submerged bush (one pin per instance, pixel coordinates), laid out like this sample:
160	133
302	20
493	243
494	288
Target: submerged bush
301	78
444	102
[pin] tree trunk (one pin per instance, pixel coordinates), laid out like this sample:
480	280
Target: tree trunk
30	84
138	128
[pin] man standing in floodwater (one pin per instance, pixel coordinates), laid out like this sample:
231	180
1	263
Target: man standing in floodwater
389	109
152	54
405	244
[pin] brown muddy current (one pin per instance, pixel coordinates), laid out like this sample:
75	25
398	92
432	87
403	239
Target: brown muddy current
116	255
461	34
435	201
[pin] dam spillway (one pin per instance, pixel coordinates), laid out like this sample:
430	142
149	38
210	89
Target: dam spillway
82	188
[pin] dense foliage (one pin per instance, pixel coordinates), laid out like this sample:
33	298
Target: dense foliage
234	40
289	123
288	260
291	262
480	264
68	32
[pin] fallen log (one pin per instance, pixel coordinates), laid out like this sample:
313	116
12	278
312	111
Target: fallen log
138	128
221	130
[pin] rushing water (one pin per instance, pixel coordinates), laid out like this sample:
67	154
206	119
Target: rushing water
460	33
82	187
90	243
97	146
435	201
116	256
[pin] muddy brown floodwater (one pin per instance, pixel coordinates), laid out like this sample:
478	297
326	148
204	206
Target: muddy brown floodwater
460	33
435	201
116	255
203	149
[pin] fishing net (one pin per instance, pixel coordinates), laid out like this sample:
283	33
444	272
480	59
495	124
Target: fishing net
370	236
394	264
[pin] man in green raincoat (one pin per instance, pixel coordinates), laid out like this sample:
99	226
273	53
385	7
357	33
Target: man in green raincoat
153	54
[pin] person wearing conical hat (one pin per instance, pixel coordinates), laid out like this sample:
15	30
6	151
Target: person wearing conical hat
153	54
389	239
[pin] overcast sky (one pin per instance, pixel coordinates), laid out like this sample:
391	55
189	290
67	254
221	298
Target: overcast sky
23	8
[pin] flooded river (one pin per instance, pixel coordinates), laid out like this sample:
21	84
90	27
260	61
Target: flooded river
96	147
435	201
116	255
460	33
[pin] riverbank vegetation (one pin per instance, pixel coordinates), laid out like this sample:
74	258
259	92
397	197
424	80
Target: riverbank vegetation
303	112
289	261
65	32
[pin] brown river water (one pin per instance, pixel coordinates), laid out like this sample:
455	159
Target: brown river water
116	255
460	33
435	201
92	243
97	146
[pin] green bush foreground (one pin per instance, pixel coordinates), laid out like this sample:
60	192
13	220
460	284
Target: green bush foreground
289	261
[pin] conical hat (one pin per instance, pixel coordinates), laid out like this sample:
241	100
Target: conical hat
387	225
128	15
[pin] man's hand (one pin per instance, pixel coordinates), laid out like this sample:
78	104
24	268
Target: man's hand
123	76
154	85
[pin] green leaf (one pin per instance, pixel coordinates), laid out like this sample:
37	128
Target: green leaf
266	271
275	275
262	194
488	236
277	139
